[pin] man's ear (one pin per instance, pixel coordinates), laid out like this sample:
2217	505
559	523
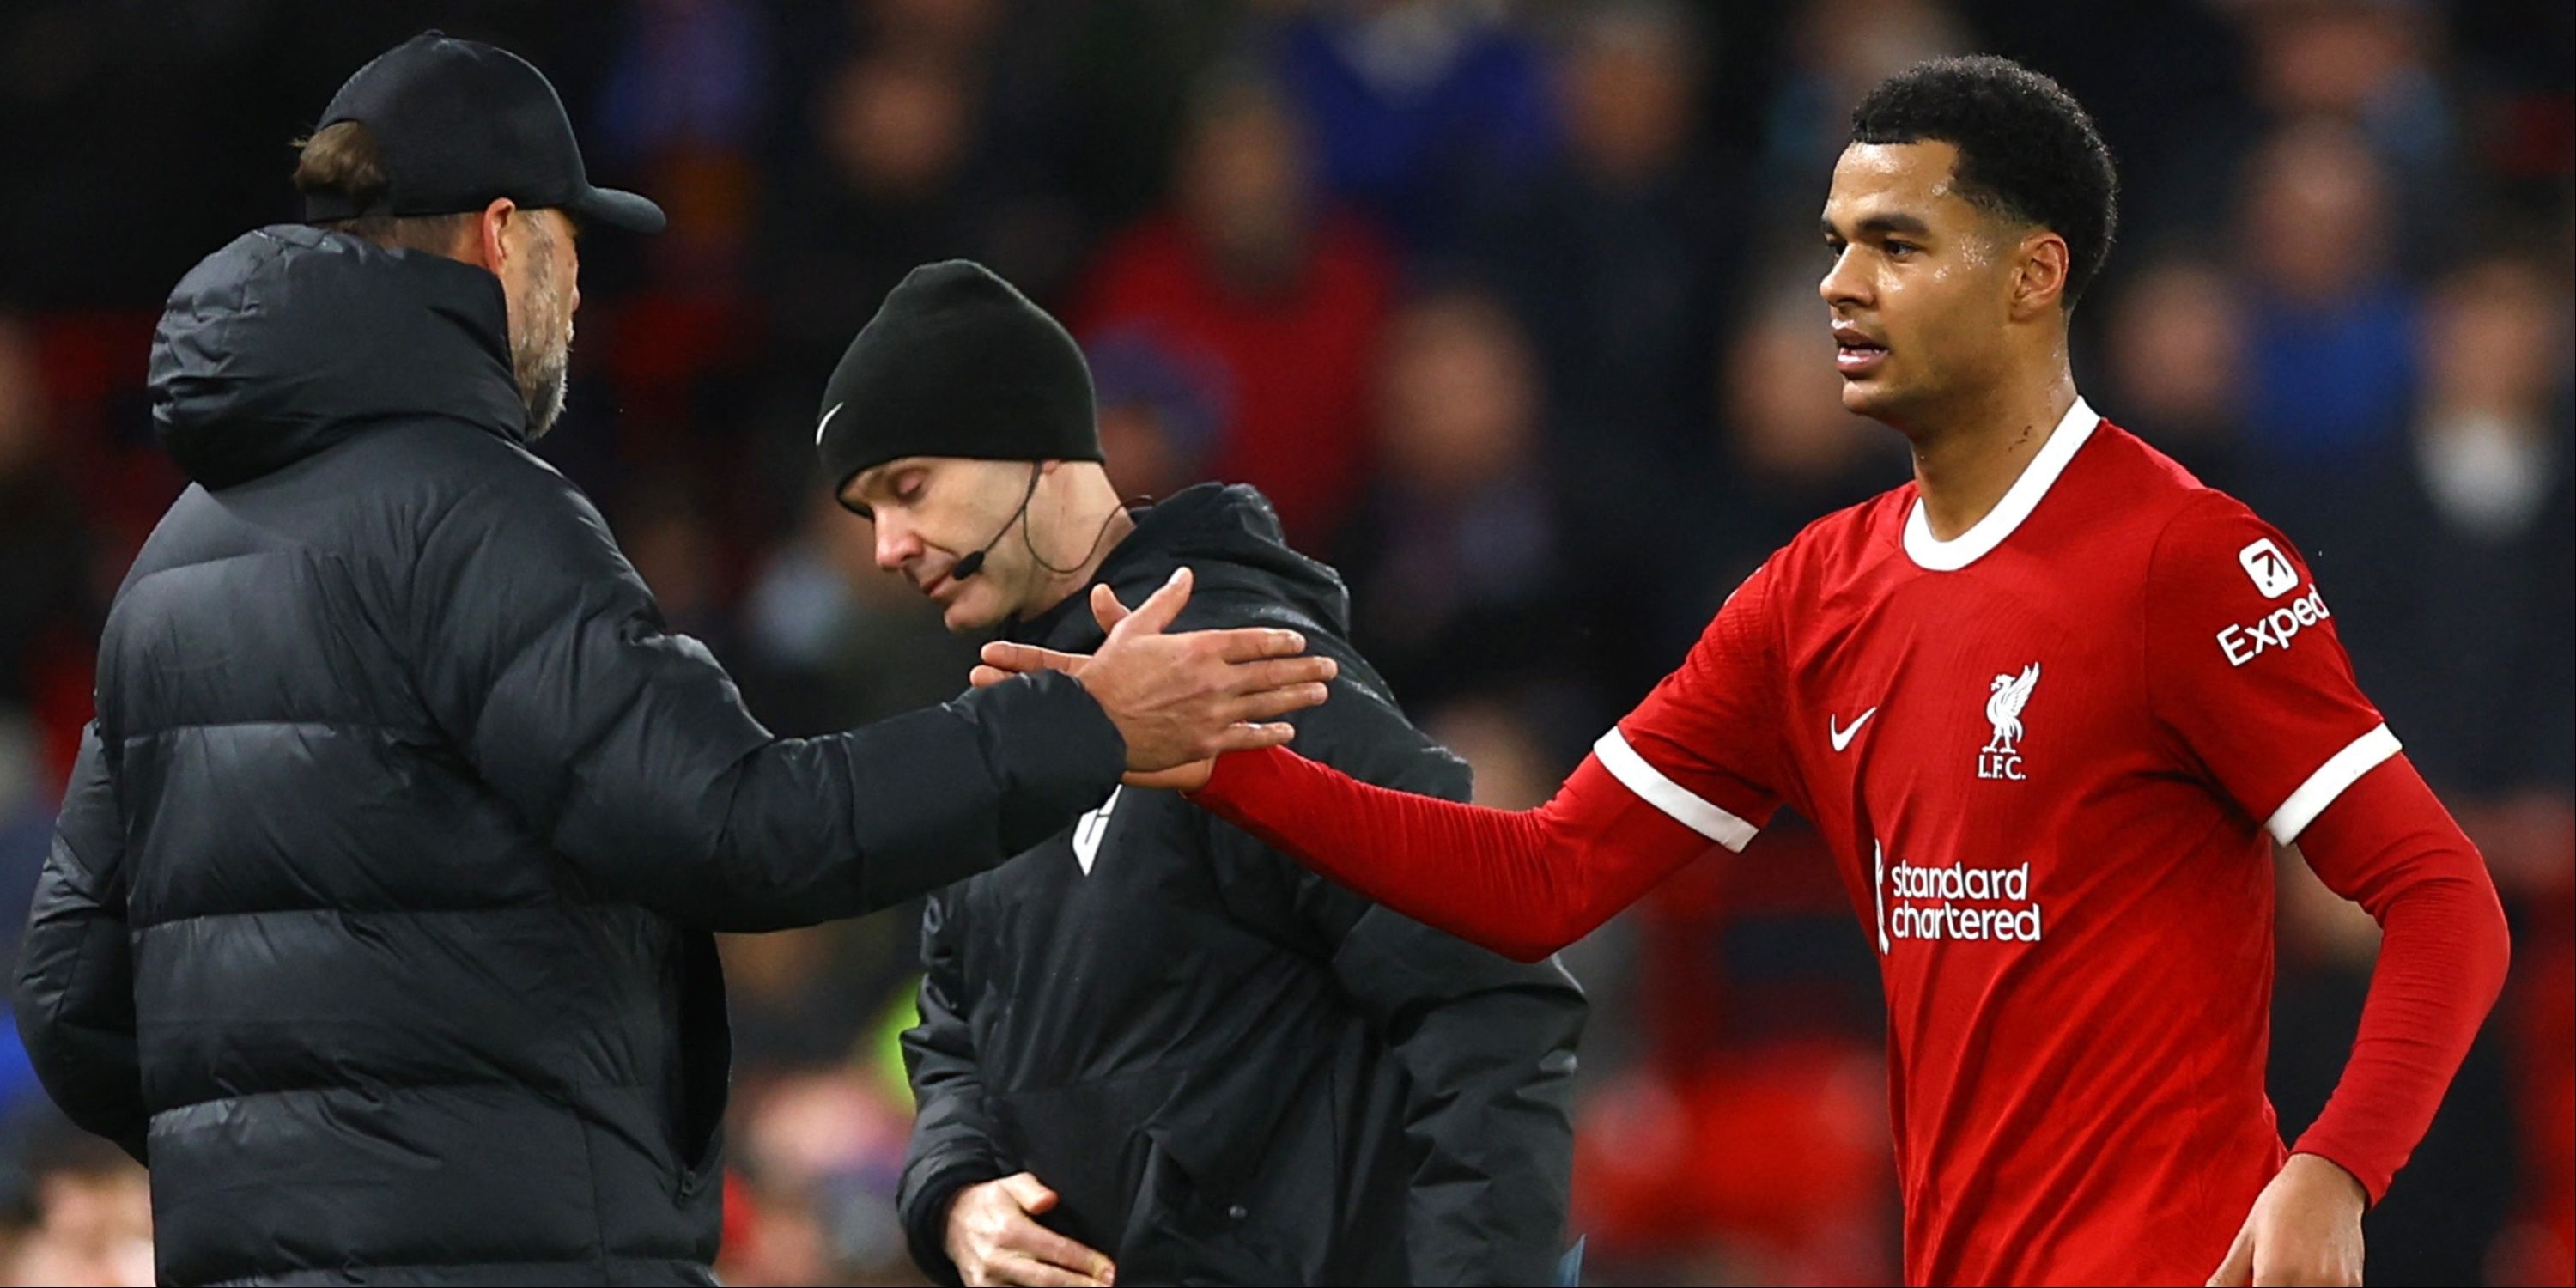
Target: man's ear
2039	284
490	249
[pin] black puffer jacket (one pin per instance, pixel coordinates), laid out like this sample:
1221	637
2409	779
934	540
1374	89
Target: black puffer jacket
1231	1070
376	923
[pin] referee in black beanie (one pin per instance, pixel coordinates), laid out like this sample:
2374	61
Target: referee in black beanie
1151	1047
959	367
378	918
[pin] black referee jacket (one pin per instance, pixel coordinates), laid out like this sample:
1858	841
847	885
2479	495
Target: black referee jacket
1232	1070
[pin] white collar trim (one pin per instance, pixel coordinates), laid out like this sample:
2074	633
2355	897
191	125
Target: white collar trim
1936	555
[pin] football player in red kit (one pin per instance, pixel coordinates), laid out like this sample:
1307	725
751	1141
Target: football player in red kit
2050	704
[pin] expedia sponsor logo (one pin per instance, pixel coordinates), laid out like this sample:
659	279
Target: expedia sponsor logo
2273	630
2270	570
1958	901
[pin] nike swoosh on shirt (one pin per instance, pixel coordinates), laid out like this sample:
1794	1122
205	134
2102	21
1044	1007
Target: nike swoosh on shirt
1843	737
827	420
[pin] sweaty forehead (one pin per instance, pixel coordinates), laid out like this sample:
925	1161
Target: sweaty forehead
1902	179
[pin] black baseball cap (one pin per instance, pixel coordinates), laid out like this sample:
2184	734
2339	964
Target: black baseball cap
458	124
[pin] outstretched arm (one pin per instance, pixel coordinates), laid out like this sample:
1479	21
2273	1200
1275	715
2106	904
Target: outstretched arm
544	661
1522	883
1687	769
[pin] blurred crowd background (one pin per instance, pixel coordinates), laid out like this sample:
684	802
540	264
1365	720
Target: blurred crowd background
1510	309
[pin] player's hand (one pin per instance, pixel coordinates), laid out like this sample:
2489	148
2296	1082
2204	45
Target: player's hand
994	1238
1179	699
2305	1229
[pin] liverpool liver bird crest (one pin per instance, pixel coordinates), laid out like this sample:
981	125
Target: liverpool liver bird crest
2005	699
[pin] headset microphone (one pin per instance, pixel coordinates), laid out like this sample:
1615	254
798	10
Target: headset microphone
974	563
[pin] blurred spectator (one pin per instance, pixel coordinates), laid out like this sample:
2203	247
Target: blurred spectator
1129	66
686	92
45	603
1253	274
1014	59
1512	770
803	998
50	591
929	142
1763	1166
832	641
665	534
1617	256
687	74
1792	453
1161	422
2332	338
2362	61
2367	63
1460	576
1421	108
84	1215
1837	50
944	30
2539	1012
894	180
2451	570
2178	353
1760	1022
819	1150
27	804
888	190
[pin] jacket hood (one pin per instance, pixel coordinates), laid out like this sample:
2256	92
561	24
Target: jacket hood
292	339
1229	538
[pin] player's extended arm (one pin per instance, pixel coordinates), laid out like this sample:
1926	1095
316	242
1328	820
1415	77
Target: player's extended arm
2387	844
1522	883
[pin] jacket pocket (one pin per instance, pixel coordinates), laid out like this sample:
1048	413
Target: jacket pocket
1181	1231
706	1057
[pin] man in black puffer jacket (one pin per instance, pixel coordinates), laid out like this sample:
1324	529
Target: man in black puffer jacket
377	922
1151	1048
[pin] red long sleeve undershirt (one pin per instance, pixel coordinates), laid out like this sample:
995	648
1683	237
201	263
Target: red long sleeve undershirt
1526	884
2388	845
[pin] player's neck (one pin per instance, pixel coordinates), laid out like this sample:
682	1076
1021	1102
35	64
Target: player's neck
1963	466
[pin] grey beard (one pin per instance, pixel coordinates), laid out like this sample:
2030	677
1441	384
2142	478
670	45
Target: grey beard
539	360
543	379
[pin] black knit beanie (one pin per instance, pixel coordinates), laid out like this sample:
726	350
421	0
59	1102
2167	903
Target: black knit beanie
956	363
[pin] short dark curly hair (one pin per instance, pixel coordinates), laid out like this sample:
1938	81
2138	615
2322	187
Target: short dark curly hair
2027	149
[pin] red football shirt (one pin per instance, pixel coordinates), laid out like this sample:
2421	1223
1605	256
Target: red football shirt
2046	755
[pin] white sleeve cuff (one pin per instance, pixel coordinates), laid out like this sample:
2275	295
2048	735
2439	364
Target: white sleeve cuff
2340	771
1671	797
